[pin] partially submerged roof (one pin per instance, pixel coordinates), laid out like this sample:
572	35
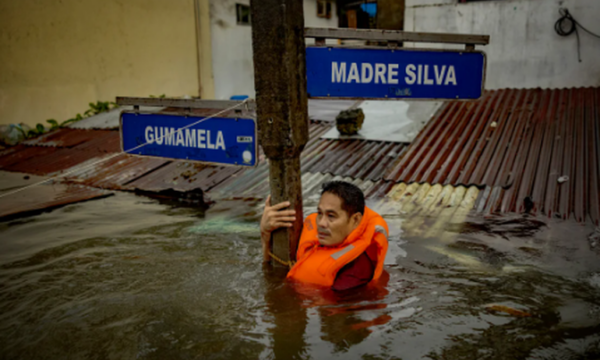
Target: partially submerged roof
59	150
535	149
504	152
41	197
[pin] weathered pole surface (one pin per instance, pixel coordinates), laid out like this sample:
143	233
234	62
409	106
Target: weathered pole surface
281	100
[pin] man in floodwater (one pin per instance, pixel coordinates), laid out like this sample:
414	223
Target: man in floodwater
342	246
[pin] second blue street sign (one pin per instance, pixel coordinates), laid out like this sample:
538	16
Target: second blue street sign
394	73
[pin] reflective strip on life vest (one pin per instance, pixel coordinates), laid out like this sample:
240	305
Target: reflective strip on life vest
339	254
380	229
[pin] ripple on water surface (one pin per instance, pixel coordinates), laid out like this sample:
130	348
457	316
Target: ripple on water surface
129	277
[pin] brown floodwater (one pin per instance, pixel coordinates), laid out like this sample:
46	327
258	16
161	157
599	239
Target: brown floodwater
129	277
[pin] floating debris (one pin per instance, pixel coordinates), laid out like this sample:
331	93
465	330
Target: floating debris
594	239
508	310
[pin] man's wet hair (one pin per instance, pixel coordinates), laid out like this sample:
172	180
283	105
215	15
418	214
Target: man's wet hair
353	199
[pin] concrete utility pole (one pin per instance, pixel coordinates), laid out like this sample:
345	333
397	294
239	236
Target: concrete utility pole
280	82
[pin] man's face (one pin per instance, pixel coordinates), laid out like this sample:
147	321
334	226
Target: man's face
333	223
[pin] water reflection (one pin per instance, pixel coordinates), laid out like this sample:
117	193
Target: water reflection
345	318
129	277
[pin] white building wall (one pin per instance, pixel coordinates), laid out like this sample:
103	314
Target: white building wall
233	67
524	49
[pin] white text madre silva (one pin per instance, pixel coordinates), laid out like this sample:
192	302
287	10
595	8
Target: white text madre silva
367	73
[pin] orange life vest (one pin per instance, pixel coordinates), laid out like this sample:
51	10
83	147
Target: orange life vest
318	264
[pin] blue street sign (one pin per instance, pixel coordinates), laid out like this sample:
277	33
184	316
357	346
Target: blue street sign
394	73
223	141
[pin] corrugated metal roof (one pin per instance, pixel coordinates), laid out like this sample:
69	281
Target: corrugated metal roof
115	173
107	120
354	159
519	141
429	208
44	161
512	144
184	176
20	154
61	138
101	140
311	186
44	197
363	159
59	150
105	141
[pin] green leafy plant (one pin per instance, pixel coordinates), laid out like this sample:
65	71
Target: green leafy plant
53	124
99	107
72	120
95	109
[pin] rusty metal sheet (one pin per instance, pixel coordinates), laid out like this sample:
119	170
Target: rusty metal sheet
380	189
520	141
552	187
493	151
531	157
517	143
97	140
463	168
183	176
565	202
62	138
311	186
363	159
21	154
505	132
426	138
48	160
44	198
354	159
514	197
542	173
59	150
102	140
593	151
459	151
116	172
107	141
579	183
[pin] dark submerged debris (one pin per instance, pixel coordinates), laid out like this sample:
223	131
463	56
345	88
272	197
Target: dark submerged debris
505	228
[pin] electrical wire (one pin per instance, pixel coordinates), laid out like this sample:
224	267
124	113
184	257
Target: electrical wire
78	169
567	19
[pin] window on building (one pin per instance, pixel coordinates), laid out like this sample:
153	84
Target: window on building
243	14
324	9
357	14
